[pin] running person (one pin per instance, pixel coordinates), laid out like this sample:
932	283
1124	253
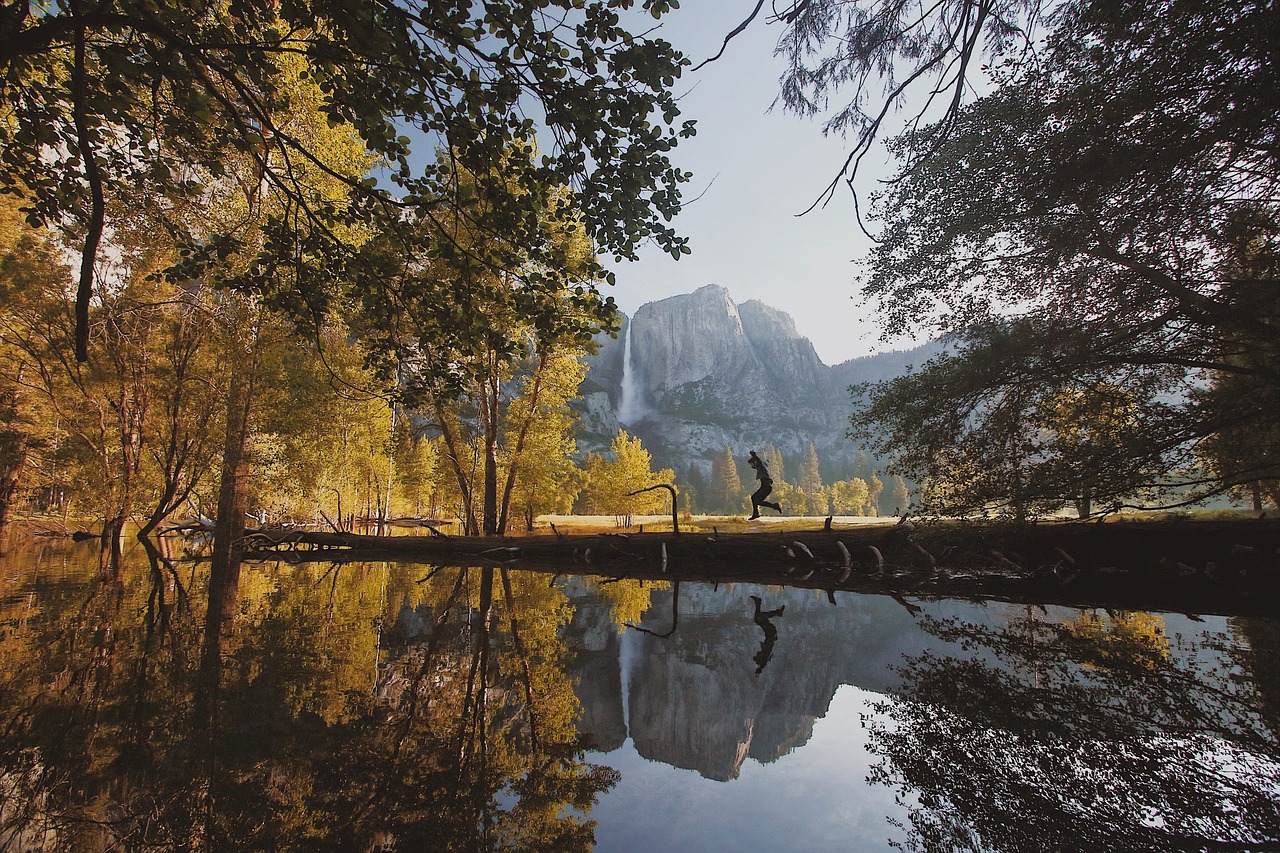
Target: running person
766	486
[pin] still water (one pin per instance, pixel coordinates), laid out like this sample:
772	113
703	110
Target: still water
394	706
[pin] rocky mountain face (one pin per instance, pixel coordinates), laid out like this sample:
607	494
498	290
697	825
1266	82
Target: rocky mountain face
694	373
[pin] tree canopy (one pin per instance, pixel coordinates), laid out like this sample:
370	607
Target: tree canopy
101	99
1098	237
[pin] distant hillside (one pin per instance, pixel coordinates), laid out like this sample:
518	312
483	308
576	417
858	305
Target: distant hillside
884	365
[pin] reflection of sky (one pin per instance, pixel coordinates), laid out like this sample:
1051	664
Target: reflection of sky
815	798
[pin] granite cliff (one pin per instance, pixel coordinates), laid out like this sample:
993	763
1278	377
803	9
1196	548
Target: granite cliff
693	373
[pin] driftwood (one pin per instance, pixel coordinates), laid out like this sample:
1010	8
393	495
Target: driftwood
1204	567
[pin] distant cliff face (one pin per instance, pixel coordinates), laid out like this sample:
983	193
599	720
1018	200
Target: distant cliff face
703	373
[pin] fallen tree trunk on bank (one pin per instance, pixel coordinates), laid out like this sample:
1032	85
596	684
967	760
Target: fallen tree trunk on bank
1196	566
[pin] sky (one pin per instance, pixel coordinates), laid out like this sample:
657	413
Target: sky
754	171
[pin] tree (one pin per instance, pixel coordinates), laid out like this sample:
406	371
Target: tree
809	477
772	458
899	496
26	262
540	474
133	433
1075	233
416	462
106	98
847	51
612	480
849	497
726	485
461	359
875	486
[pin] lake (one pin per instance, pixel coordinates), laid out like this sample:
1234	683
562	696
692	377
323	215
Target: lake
396	706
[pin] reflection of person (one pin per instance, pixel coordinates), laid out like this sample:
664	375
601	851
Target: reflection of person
763	619
766	486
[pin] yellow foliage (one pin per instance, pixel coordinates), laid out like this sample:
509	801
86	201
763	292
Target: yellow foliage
628	598
1124	640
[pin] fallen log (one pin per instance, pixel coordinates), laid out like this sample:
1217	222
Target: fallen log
1205	567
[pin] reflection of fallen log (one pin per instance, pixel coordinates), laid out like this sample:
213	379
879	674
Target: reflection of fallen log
1229	567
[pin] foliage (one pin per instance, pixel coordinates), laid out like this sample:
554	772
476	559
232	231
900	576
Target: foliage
1077	233
546	479
628	598
725	491
461	329
328	733
899	495
100	100
809	477
849	497
1090	733
629	469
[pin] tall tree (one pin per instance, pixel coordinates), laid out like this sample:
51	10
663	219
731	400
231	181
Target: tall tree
809	477
899	496
538	463
726	485
629	470
1076	232
875	488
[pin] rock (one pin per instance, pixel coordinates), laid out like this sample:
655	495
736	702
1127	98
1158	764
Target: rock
710	373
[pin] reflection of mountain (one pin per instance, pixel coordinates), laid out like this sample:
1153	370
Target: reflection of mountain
594	666
694	698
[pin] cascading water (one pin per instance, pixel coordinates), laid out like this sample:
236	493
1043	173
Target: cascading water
631	407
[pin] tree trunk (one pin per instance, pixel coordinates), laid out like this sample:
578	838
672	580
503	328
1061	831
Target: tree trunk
464	487
489	414
513	464
228	531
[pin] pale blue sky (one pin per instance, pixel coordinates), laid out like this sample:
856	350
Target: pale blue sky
756	170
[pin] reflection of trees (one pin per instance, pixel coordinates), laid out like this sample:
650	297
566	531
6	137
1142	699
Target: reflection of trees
1069	744
125	724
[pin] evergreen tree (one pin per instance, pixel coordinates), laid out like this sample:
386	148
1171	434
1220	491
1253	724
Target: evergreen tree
772	458
726	488
862	467
809	477
874	489
899	496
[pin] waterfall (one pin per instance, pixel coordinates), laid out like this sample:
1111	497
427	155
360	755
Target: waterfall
629	649
631	407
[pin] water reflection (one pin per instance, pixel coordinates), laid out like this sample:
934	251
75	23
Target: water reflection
401	707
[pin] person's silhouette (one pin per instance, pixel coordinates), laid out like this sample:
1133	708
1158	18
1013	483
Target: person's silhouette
766	486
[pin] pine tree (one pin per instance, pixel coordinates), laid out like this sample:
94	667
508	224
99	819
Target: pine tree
772	458
875	487
899	496
809	477
726	489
